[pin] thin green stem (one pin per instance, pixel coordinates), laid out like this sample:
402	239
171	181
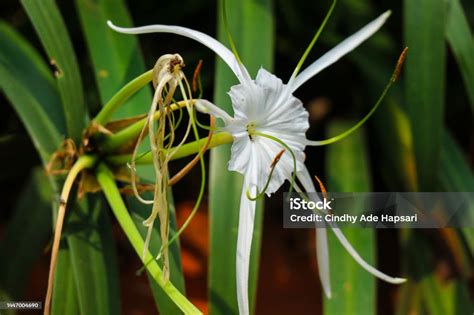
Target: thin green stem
346	133
184	151
122	96
293	176
313	41
112	194
131	132
229	35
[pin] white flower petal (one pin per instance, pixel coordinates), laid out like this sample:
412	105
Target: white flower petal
222	51
253	159
322	248
322	256
308	185
206	107
244	246
361	261
337	52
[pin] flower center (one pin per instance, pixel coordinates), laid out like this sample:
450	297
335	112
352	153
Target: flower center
251	129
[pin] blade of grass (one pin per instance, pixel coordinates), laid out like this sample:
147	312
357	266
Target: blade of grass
456	175
419	265
24	63
456	298
116	57
424	29
461	41
31	216
394	145
93	258
29	86
348	171
251	25
52	32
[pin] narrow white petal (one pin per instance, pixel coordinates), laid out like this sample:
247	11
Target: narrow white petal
322	252
337	52
206	107
222	51
244	246
361	261
305	180
322	248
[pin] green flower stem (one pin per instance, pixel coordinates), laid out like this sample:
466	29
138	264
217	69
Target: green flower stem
184	151
122	96
313	41
112	194
131	132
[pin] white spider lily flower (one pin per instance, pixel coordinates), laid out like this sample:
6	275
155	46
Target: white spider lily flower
266	116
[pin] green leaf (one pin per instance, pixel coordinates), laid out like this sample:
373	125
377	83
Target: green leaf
26	234
394	147
24	63
112	194
93	257
139	213
456	175
52	32
418	262
30	88
424	29
348	171
116	57
461	41
251	25
65	297
456	298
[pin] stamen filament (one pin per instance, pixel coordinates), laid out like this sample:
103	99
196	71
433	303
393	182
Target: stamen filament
229	36
272	168
293	176
313	41
374	108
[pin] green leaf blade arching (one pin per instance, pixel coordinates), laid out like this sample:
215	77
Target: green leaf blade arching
353	288
139	213
424	27
31	216
52	32
461	41
65	298
115	57
93	258
28	84
251	25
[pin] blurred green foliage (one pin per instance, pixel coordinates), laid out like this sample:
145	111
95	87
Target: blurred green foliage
421	138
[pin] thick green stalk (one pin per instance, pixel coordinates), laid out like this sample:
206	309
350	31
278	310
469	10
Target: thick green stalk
112	194
122	96
131	132
184	151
